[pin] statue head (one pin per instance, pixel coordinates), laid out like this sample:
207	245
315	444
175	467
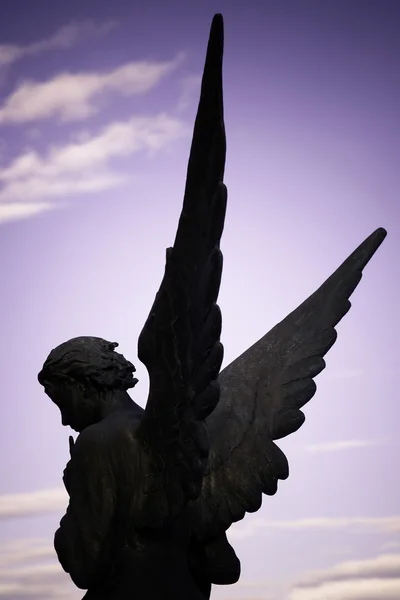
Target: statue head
81	375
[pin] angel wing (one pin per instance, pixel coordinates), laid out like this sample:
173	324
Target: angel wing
262	392
179	343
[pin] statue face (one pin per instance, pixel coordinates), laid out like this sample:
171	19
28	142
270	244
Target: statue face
78	410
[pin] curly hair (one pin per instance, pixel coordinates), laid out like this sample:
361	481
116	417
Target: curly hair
92	360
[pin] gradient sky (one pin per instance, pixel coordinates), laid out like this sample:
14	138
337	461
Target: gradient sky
97	106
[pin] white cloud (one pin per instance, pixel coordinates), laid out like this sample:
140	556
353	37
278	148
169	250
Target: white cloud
72	97
190	90
362	589
340	445
32	503
118	139
384	566
65	37
82	166
24	550
369	579
252	526
29	570
45	501
22	210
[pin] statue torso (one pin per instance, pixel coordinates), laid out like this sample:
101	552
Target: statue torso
144	563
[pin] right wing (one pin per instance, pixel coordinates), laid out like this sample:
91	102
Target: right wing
180	341
262	392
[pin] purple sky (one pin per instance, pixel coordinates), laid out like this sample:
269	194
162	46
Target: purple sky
97	106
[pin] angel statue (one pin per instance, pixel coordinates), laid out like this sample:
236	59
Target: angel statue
153	491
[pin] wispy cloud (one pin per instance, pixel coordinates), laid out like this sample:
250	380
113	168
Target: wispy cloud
358	589
46	501
339	445
384	566
72	97
29	570
357	524
369	579
190	91
22	210
32	503
118	139
83	166
21	550
65	37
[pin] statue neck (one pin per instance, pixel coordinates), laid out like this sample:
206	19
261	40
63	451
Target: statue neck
117	401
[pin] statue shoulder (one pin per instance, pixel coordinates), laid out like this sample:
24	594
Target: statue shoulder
108	436
96	438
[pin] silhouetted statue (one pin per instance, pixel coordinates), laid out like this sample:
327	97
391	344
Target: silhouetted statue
153	492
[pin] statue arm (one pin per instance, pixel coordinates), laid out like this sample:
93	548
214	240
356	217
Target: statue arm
81	540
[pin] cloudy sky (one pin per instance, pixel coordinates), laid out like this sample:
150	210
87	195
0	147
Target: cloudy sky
97	102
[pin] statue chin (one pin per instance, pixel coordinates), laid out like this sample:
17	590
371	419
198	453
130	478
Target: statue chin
78	427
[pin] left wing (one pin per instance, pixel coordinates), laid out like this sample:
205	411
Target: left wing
179	343
262	392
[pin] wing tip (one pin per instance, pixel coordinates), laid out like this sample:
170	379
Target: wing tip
216	38
350	271
209	131
369	246
218	20
376	238
381	231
